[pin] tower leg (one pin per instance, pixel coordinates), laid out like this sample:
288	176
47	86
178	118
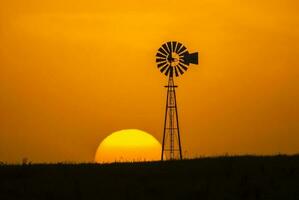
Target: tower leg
164	130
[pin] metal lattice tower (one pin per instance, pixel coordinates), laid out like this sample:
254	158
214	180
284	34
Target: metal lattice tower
173	58
171	144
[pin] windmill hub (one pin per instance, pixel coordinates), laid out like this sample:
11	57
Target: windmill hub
173	58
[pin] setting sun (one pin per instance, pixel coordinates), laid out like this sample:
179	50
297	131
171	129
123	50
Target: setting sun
128	146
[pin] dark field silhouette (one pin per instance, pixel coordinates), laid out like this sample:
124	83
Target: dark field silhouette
226	177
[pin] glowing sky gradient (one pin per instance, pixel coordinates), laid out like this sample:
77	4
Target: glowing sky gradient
73	72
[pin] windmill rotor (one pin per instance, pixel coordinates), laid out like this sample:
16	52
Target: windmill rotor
173	58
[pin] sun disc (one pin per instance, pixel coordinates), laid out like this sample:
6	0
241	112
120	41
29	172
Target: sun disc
129	145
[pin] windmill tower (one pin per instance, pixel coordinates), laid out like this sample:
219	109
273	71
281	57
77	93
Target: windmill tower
172	59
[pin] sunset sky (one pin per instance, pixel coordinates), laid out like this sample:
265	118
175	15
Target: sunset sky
73	72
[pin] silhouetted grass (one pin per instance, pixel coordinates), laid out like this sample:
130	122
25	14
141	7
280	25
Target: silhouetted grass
225	178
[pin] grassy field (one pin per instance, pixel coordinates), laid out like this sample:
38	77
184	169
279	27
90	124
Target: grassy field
225	178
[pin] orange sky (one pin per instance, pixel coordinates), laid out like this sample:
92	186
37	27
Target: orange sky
73	72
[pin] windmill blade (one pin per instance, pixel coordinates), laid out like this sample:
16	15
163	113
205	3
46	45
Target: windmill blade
167	71
178	47
162	64
160	55
160	60
174	44
180	70
182	50
162	51
184	54
166	48
176	71
183	66
169	46
163	68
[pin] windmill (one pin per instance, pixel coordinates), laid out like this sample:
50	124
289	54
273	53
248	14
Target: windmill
172	59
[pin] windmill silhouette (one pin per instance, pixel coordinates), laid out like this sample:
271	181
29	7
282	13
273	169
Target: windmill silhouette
172	59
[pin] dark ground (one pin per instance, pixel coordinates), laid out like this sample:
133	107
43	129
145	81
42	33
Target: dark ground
225	178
